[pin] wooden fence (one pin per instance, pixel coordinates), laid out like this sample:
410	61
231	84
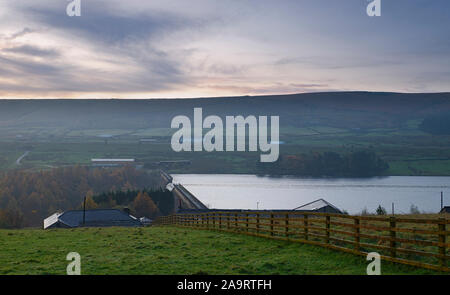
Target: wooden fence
418	242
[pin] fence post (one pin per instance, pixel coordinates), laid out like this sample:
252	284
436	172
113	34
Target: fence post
357	232
442	238
220	220
271	224
228	221
236	221
257	223
246	221
305	223
214	220
392	224
327	226
287	226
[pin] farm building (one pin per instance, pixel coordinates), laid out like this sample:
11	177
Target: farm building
445	209
319	205
145	221
92	218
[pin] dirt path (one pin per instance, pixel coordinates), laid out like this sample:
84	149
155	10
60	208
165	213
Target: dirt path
21	157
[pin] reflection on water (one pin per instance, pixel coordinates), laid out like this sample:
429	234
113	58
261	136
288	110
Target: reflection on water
244	191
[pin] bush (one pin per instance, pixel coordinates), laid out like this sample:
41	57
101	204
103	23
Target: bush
381	210
414	209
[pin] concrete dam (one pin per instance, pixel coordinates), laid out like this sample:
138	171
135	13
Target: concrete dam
184	199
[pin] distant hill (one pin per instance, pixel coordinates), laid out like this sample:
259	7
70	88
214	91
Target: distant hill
335	109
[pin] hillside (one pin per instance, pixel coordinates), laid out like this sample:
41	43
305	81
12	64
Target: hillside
340	109
169	250
54	133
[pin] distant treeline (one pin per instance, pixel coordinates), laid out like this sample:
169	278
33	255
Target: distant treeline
26	198
148	203
437	124
354	164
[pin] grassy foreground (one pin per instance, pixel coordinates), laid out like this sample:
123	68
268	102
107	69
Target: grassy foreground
170	250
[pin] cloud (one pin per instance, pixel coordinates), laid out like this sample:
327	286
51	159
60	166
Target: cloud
32	51
100	24
125	48
273	88
21	33
17	66
344	62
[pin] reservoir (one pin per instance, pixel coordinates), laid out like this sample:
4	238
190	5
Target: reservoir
234	191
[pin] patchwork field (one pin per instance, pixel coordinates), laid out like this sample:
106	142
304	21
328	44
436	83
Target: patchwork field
407	154
68	132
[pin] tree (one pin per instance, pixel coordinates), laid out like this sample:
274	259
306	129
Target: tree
144	206
437	124
381	210
90	203
11	218
30	197
414	209
365	163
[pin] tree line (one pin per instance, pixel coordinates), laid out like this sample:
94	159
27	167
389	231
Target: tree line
327	164
438	124
26	198
147	202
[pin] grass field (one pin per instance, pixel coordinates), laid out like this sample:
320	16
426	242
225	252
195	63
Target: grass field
408	151
170	250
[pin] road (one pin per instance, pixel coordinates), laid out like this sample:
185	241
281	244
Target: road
21	157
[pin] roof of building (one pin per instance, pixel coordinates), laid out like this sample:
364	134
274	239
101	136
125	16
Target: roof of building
445	209
51	219
94	217
315	205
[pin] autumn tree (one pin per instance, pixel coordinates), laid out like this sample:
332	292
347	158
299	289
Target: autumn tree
27	198
144	206
11	218
90	203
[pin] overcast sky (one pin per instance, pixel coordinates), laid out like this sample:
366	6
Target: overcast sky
192	48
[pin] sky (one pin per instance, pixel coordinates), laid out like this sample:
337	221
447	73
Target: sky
203	48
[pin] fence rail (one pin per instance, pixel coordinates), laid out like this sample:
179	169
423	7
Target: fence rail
412	241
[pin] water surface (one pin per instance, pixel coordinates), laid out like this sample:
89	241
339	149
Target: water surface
232	191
